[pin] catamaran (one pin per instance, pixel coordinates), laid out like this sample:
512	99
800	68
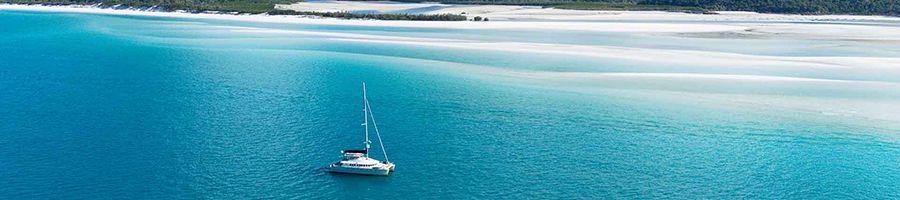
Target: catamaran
358	161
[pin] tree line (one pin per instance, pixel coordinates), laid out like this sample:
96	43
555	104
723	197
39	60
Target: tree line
856	7
240	6
379	16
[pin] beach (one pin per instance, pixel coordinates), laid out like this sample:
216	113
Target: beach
516	17
732	65
537	13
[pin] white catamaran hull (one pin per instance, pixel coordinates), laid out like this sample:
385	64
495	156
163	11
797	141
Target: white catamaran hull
357	161
363	171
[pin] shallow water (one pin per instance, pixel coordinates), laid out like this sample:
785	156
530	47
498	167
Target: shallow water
99	107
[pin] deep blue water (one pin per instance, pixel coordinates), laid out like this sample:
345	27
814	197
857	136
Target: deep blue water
113	107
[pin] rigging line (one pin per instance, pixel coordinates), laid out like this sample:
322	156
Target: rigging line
374	124
366	117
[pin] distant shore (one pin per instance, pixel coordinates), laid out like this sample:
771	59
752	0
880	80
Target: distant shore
508	24
502	17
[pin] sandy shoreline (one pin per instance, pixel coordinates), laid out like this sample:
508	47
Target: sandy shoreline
671	69
882	34
598	21
672	57
681	57
536	13
574	26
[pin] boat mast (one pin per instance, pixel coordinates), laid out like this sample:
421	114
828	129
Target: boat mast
375	124
366	117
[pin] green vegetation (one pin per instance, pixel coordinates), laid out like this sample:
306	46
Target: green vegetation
241	6
858	7
348	15
633	7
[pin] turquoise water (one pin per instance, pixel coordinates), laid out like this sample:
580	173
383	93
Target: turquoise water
110	107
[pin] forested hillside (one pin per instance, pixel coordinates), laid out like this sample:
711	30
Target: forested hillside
243	6
862	7
859	7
